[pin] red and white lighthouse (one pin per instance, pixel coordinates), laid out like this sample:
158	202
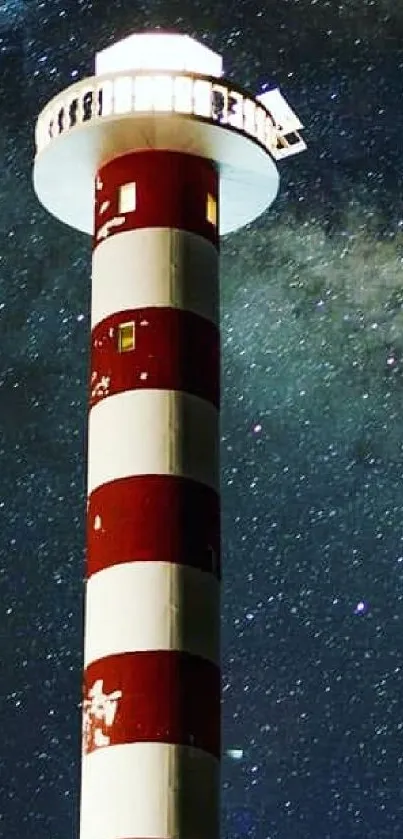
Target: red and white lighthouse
155	156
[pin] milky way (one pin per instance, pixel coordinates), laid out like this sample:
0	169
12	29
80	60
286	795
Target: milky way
312	332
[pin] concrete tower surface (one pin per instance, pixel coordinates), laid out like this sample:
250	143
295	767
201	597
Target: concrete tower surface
155	156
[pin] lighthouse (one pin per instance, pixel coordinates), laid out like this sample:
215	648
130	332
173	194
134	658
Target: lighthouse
155	156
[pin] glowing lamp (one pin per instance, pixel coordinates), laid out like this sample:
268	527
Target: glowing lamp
158	51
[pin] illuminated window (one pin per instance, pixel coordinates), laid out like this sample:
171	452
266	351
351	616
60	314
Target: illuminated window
127	198
126	337
211	209
97	523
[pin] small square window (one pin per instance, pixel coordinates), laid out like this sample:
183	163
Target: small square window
211	209
126	336
127	198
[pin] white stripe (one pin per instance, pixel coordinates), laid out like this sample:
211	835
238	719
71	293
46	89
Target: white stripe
155	267
152	606
153	432
149	790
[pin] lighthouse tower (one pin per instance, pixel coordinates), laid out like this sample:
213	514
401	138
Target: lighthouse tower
155	156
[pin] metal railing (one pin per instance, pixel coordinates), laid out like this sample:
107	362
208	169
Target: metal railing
199	97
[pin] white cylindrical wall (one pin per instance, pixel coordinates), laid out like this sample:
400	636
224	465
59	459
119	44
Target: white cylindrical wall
151	707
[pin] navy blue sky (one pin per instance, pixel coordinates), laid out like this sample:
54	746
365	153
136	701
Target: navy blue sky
312	432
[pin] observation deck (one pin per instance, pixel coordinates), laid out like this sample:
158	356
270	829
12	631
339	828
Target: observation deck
162	91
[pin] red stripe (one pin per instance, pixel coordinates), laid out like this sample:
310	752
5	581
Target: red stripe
171	191
153	518
174	350
160	696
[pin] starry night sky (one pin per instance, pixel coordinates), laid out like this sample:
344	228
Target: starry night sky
312	427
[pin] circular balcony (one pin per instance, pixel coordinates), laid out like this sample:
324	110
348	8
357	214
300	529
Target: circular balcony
103	117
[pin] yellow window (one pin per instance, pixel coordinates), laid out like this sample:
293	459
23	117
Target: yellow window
127	198
211	209
126	336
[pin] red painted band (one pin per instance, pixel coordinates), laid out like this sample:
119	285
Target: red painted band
172	190
173	349
153	518
157	696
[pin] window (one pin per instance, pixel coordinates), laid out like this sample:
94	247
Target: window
127	198
126	337
97	523
211	209
213	559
